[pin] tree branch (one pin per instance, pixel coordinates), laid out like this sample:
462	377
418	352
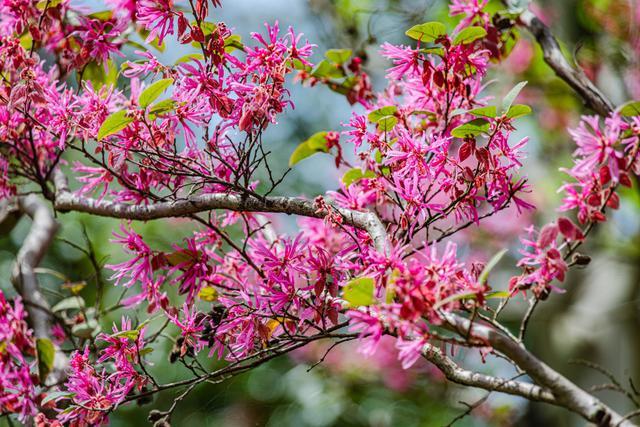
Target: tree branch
67	201
553	56
458	375
23	277
566	393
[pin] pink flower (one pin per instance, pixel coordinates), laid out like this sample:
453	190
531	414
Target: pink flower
94	393
472	9
370	330
195	268
157	16
191	324
410	351
597	147
542	259
139	267
124	345
17	388
137	69
405	60
98	38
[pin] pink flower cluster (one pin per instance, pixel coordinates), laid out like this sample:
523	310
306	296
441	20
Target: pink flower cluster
18	385
606	157
93	391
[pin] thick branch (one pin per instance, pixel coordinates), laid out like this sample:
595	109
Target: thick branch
574	77
456	374
67	201
31	253
566	393
24	278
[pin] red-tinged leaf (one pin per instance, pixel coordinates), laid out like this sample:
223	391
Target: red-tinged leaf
625	180
182	256
605	175
548	235
332	313
569	229
197	34
467	173
594	199
482	154
159	261
465	151
426	74
183	24
614	201
438	78
318	287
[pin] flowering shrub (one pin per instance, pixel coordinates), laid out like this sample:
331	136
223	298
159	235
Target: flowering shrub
377	257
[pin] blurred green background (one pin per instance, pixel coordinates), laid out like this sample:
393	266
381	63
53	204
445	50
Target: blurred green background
597	319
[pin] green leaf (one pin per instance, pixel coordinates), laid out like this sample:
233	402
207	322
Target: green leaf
433	51
497	294
143	324
430	114
630	109
317	143
457	112
470	295
345	87
208	293
482	279
489	111
86	330
359	292
130	335
162	106
299	65
325	69
384	118
114	123
387	123
54	273
232	43
380	113
427	32
103	15
338	56
511	96
71	303
356	174
145	350
46	353
518	110
152	93
472	128
98	76
156	44
378	156
54	395
452	298
26	41
190	57
469	35
301	152
206	27
44	4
